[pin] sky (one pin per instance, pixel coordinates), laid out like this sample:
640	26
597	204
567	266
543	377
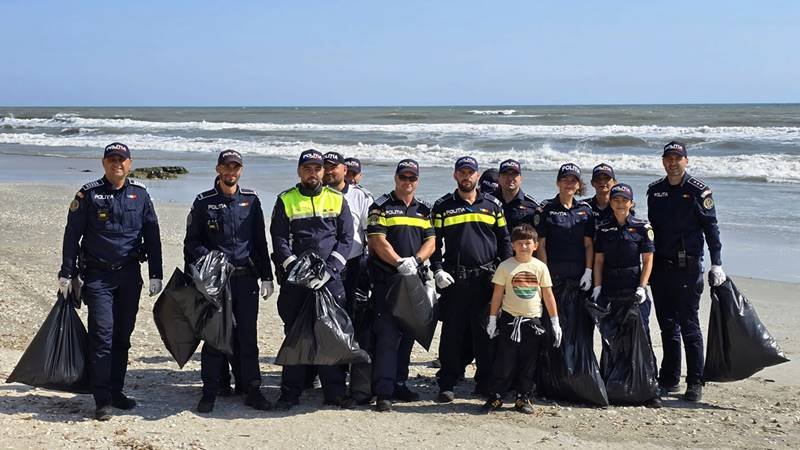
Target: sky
382	53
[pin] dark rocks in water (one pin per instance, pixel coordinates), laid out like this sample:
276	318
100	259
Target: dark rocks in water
159	172
87	170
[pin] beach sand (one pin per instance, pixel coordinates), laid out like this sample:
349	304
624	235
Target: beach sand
759	412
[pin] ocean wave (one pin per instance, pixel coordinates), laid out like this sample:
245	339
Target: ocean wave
492	112
779	168
656	133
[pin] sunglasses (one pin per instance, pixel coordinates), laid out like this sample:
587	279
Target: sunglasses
411	178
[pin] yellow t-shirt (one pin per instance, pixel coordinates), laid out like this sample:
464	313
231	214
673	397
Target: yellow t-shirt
523	283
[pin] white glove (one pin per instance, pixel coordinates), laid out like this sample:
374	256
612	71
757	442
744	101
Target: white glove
317	283
586	280
491	327
641	295
155	286
407	266
443	279
267	289
716	276
596	293
556	331
64	286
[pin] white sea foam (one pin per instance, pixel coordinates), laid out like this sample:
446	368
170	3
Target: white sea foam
757	167
657	133
492	112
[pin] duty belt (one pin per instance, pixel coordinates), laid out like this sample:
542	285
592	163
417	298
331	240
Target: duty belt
239	271
464	272
674	263
95	264
615	272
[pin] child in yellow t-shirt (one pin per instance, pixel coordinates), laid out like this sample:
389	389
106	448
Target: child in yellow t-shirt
520	284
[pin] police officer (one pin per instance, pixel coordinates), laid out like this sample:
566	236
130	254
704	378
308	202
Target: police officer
359	201
603	180
229	218
113	225
311	217
353	175
471	236
518	207
566	232
401	239
681	210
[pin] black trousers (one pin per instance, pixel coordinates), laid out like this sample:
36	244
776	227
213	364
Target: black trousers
294	378
464	312
515	362
244	292
112	298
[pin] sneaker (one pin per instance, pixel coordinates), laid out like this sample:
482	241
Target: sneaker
654	403
257	401
102	413
665	391
383	405
206	404
404	394
445	397
694	393
491	405
121	401
523	405
285	403
341	401
225	390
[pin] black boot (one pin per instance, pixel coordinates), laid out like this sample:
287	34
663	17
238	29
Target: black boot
121	401
257	401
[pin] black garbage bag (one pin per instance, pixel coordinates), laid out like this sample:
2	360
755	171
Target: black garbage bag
211	314
210	274
322	335
627	364
411	304
177	332
739	344
570	372
57	357
307	267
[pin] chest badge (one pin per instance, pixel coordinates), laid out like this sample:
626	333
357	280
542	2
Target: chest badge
103	215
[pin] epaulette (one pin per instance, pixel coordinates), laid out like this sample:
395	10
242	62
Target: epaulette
656	182
92	184
286	191
584	202
639	221
248	191
137	183
362	188
425	203
530	199
442	198
494	199
207	194
380	201
694	182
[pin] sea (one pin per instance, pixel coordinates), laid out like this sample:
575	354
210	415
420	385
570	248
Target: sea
749	154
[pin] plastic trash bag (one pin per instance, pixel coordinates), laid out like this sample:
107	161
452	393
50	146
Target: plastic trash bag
307	267
413	307
570	372
210	274
627	364
321	335
739	344
57	357
177	332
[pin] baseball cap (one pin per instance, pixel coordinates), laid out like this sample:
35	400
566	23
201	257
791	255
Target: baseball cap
118	149
569	169
488	181
353	164
678	148
227	156
510	164
407	165
603	169
622	190
310	156
467	162
333	158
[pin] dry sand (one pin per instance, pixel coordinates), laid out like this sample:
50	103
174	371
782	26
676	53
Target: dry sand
758	412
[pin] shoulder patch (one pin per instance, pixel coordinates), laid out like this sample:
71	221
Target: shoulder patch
136	182
493	199
92	184
424	203
380	201
248	191
530	199
705	193
362	189
207	194
656	182
697	183
442	198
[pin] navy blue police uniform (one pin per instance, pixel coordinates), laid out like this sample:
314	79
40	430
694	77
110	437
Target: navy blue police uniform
406	228
233	224
113	230
681	215
600	215
622	247
471	239
317	220
565	228
521	209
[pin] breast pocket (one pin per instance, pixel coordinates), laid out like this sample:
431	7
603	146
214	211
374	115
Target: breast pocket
245	219
134	215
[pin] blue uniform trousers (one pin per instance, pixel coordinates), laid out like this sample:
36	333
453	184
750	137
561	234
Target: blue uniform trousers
392	348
